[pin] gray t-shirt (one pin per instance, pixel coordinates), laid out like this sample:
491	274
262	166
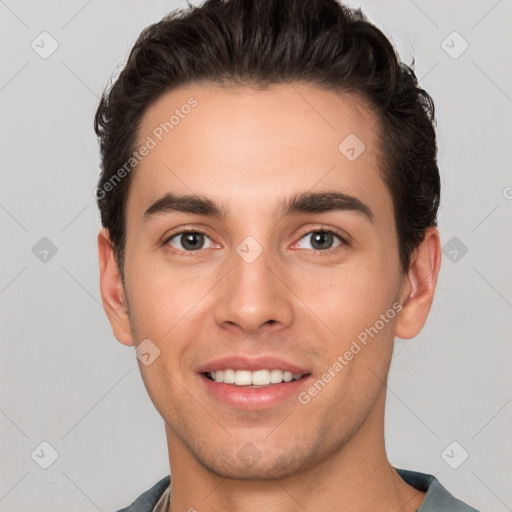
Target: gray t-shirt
438	499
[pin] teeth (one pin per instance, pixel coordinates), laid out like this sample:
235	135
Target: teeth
261	378
229	376
257	378
276	376
242	378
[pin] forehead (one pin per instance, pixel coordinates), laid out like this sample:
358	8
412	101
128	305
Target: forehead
246	146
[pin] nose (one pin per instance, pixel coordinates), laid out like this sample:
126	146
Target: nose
254	296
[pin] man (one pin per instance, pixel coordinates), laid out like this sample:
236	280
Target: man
269	194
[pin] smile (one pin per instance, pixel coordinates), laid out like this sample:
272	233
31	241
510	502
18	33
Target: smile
258	378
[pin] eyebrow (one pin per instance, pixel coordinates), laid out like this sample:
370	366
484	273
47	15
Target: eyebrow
304	202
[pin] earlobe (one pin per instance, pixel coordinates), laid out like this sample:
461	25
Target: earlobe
112	291
417	293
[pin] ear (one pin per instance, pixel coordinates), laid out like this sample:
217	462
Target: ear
417	292
112	290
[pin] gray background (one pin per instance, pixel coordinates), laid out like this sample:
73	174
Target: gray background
67	381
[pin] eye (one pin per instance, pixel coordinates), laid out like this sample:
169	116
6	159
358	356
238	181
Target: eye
189	241
322	240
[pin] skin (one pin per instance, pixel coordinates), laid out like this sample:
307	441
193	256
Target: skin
248	149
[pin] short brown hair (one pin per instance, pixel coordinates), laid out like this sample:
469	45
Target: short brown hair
264	42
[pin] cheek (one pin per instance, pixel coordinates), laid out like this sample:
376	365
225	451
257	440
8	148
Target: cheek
359	306
162	297
164	304
352	296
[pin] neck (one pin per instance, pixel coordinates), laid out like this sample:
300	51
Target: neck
357	477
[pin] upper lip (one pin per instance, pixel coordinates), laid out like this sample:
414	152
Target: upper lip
238	362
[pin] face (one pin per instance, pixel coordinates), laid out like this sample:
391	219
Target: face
240	282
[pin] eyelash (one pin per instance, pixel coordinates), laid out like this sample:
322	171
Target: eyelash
342	239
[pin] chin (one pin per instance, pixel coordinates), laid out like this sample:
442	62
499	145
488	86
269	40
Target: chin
262	470
249	463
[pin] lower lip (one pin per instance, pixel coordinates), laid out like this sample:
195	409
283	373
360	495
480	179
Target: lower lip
253	398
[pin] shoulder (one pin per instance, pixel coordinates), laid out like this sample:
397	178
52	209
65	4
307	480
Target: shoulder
438	499
148	499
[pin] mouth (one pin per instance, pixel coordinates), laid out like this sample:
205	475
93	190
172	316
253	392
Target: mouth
252	383
253	379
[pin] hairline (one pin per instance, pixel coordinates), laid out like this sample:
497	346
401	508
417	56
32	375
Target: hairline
364	104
